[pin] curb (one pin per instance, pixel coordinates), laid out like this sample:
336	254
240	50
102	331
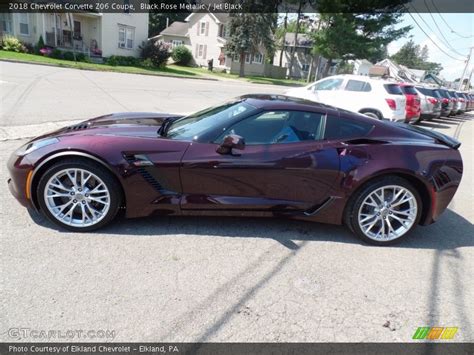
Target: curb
105	71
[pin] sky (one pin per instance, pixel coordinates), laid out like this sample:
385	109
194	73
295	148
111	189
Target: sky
462	24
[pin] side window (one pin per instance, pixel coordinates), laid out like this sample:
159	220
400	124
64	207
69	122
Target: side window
329	84
344	128
276	127
357	85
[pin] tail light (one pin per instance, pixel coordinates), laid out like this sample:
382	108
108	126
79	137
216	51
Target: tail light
391	103
433	100
445	101
455	100
462	100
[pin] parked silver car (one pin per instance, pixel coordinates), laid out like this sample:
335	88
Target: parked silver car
430	103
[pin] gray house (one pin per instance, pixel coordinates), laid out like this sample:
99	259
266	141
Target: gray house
304	61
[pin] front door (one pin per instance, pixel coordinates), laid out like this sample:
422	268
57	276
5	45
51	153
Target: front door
285	166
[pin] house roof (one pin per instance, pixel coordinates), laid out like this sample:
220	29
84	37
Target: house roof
217	16
177	28
221	17
302	41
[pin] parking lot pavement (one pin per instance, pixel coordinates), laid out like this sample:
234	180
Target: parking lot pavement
220	279
34	94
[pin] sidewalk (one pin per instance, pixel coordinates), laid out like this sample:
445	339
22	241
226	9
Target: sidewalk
30	131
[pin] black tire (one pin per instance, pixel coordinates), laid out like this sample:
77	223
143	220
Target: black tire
355	202
106	176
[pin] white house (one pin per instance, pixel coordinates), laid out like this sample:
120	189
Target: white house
362	66
94	34
205	34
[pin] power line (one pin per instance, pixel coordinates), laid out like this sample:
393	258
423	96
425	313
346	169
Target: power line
442	50
442	18
447	44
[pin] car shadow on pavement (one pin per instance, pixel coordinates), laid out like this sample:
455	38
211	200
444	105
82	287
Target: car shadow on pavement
432	124
450	232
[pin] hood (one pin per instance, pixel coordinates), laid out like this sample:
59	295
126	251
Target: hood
127	124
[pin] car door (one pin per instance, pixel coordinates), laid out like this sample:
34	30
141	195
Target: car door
328	91
356	95
284	166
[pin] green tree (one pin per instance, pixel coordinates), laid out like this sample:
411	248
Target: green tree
408	55
413	56
248	32
346	34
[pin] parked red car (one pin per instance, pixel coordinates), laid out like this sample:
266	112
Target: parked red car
413	107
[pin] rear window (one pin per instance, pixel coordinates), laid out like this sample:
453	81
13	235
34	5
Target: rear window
410	90
393	89
427	92
437	94
344	128
445	93
357	85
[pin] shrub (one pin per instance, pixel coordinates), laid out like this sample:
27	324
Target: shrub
181	55
68	56
147	63
116	60
39	45
56	53
46	51
12	44
28	48
81	57
157	52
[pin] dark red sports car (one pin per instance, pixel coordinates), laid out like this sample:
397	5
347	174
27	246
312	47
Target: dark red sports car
258	155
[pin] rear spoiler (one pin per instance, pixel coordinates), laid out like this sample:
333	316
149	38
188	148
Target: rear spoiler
440	137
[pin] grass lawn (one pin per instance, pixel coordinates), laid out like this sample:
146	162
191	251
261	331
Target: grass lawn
171	70
32	58
252	79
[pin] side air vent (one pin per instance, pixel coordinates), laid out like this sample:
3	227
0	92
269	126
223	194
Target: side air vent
77	127
138	161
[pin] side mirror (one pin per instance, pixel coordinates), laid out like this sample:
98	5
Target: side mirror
232	141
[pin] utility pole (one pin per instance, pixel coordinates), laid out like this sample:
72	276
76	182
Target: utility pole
461	82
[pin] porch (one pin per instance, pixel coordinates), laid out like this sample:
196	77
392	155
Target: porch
80	33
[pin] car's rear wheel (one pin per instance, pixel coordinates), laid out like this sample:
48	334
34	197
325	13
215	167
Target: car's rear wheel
78	195
384	210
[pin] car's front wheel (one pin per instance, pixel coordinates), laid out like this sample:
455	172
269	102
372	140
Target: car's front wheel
384	210
78	195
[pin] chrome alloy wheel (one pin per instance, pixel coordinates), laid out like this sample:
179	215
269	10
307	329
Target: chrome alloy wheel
387	213
77	197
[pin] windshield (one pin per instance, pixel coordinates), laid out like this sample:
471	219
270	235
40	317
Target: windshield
192	126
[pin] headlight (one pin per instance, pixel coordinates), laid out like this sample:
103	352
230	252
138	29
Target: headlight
32	146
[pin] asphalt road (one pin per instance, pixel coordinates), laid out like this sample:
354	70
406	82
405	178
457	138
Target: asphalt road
229	280
33	94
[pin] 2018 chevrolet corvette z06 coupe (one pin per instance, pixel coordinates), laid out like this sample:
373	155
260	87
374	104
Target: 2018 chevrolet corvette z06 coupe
257	155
